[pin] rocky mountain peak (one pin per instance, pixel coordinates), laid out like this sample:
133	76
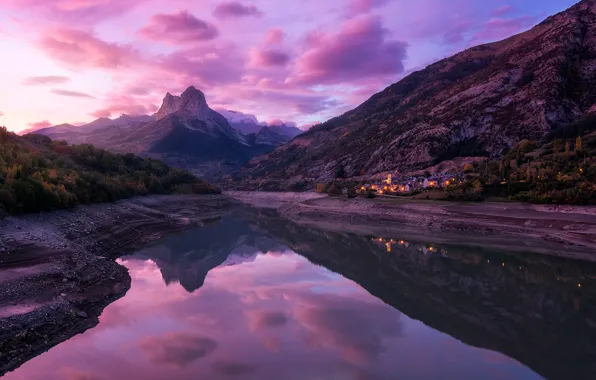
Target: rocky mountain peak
192	101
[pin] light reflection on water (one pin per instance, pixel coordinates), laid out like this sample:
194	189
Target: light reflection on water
261	316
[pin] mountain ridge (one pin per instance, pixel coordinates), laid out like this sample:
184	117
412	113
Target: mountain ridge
185	132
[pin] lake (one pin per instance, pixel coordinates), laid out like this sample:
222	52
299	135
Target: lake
254	296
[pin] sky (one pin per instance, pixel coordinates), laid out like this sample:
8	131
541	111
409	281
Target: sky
73	61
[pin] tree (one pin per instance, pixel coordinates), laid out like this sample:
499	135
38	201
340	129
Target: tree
567	150
579	145
340	172
518	159
556	149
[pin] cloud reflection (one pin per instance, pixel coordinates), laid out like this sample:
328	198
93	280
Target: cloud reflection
179	349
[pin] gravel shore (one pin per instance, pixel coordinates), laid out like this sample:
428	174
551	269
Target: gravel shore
568	231
58	269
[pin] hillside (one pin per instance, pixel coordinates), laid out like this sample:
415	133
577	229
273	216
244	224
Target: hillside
480	102
38	174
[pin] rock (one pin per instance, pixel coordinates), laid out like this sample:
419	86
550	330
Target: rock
82	314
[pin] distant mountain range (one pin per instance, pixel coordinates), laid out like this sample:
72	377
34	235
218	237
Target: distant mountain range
246	124
480	102
185	132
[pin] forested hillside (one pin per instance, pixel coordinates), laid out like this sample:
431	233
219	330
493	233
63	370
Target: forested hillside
38	174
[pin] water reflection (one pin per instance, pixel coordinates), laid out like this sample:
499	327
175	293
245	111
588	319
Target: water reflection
234	300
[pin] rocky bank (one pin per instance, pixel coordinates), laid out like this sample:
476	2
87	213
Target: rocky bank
58	270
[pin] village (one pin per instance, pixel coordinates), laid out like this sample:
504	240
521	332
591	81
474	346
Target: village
409	185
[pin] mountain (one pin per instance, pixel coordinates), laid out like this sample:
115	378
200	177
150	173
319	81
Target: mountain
119	122
184	132
479	102
64	131
268	136
247	124
243	123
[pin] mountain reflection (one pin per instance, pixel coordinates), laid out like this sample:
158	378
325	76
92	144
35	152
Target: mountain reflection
537	309
248	307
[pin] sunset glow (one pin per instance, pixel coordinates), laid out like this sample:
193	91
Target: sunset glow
72	61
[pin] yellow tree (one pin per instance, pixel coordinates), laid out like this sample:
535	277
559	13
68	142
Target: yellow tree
578	144
567	150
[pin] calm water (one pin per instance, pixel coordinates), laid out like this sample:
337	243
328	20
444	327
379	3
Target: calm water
239	299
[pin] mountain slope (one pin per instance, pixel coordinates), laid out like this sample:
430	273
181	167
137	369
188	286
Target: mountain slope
38	174
479	102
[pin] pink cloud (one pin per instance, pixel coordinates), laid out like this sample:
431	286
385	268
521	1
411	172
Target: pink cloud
40	124
125	104
234	9
269	58
43	80
360	50
205	66
77	48
179	349
274	36
303	102
178	28
72	94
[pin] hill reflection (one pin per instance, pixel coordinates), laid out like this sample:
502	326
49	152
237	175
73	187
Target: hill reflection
537	309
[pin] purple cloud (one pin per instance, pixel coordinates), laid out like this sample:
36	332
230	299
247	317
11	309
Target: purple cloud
178	28
358	7
81	12
360	50
234	9
498	28
77	48
501	11
269	58
73	94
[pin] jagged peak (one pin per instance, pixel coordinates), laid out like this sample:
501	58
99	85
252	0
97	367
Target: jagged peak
191	101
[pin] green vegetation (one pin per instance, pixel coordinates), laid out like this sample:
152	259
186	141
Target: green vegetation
38	174
560	169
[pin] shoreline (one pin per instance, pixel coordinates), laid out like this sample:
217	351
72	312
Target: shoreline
565	231
58	270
